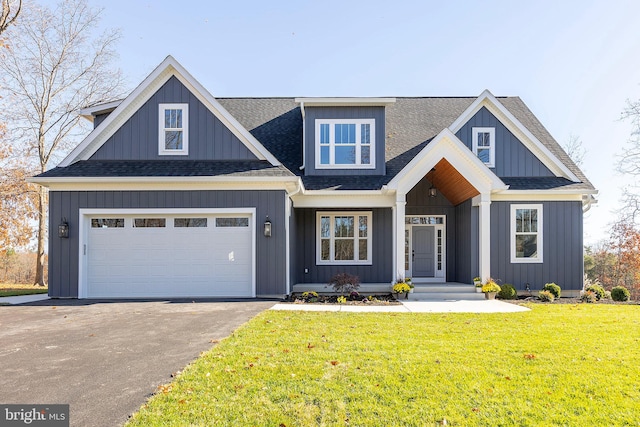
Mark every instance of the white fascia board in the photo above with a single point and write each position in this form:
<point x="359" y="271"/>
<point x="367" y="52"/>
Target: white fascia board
<point x="89" y="113"/>
<point x="446" y="145"/>
<point x="350" y="199"/>
<point x="344" y="102"/>
<point x="536" y="195"/>
<point x="486" y="99"/>
<point x="141" y="94"/>
<point x="289" y="184"/>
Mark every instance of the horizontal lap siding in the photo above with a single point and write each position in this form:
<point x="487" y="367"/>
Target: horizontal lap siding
<point x="562" y="247"/>
<point x="512" y="157"/>
<point x="270" y="252"/>
<point x="137" y="139"/>
<point x="380" y="271"/>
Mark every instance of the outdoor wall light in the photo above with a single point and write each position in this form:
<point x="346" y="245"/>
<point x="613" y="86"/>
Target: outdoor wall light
<point x="432" y="191"/>
<point x="267" y="227"/>
<point x="63" y="229"/>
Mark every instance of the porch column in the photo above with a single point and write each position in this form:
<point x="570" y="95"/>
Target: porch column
<point x="398" y="234"/>
<point x="484" y="207"/>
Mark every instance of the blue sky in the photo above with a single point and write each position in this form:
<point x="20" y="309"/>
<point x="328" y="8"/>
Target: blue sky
<point x="574" y="63"/>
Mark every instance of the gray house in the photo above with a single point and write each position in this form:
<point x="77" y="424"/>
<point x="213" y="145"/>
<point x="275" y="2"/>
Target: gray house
<point x="176" y="193"/>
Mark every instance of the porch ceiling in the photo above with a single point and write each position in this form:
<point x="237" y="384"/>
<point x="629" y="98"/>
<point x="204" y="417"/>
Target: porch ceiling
<point x="447" y="180"/>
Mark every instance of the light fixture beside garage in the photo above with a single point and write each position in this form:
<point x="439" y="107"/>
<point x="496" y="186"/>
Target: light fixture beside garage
<point x="63" y="229"/>
<point x="267" y="227"/>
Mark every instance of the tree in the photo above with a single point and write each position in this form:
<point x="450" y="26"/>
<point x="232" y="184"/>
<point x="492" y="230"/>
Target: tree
<point x="625" y="244"/>
<point x="575" y="150"/>
<point x="629" y="162"/>
<point x="10" y="12"/>
<point x="55" y="66"/>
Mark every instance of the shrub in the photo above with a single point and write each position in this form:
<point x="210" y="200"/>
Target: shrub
<point x="553" y="288"/>
<point x="598" y="290"/>
<point x="588" y="297"/>
<point x="401" y="288"/>
<point x="310" y="296"/>
<point x="345" y="283"/>
<point x="620" y="293"/>
<point x="546" y="296"/>
<point x="507" y="291"/>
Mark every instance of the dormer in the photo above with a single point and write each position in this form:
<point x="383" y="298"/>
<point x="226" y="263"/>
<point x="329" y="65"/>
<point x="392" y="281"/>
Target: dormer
<point x="344" y="136"/>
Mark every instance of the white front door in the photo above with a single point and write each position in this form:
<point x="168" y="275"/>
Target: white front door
<point x="425" y="248"/>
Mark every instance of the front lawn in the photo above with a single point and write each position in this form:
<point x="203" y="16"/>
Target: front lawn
<point x="12" y="289"/>
<point x="556" y="365"/>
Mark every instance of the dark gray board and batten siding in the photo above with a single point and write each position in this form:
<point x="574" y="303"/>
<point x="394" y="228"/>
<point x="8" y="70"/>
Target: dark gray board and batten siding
<point x="562" y="247"/>
<point x="137" y="139"/>
<point x="313" y="113"/>
<point x="270" y="252"/>
<point x="305" y="235"/>
<point x="512" y="157"/>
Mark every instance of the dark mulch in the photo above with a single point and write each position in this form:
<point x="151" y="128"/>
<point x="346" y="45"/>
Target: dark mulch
<point x="535" y="300"/>
<point x="359" y="299"/>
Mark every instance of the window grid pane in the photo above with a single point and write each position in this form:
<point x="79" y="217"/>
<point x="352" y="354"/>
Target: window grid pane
<point x="190" y="222"/>
<point x="344" y="226"/>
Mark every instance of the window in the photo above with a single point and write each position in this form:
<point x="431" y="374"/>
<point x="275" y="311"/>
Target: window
<point x="189" y="222"/>
<point x="526" y="233"/>
<point x="149" y="222"/>
<point x="174" y="129"/>
<point x="484" y="145"/>
<point x="344" y="238"/>
<point x="107" y="223"/>
<point x="232" y="222"/>
<point x="348" y="143"/>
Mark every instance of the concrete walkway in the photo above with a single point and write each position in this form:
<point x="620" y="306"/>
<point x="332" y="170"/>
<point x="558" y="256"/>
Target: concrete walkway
<point x="460" y="306"/>
<point x="23" y="299"/>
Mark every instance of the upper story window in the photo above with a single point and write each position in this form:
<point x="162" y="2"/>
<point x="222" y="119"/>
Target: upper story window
<point x="345" y="143"/>
<point x="484" y="145"/>
<point x="526" y="233"/>
<point x="173" y="129"/>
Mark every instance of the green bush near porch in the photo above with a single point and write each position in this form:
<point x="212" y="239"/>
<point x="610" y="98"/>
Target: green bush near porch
<point x="409" y="369"/>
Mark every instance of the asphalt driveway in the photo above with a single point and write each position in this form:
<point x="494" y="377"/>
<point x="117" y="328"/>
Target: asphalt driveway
<point x="106" y="358"/>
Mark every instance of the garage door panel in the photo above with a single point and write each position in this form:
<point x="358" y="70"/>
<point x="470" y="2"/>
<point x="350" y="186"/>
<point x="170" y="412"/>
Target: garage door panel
<point x="170" y="261"/>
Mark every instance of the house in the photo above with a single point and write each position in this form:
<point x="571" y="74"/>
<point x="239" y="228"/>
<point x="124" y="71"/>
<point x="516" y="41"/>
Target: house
<point x="176" y="193"/>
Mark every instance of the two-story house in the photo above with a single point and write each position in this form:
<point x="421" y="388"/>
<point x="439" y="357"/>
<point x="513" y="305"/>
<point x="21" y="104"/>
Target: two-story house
<point x="176" y="193"/>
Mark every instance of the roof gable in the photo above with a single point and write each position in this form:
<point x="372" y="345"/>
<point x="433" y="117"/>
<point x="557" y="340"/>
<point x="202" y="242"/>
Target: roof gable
<point x="540" y="150"/>
<point x="132" y="103"/>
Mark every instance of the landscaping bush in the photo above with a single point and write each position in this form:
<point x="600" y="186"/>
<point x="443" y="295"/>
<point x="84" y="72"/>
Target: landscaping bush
<point x="598" y="290"/>
<point x="588" y="297"/>
<point x="507" y="291"/>
<point x="553" y="288"/>
<point x="620" y="293"/>
<point x="546" y="296"/>
<point x="345" y="283"/>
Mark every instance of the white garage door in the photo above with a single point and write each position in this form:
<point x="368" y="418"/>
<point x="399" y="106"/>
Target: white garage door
<point x="176" y="255"/>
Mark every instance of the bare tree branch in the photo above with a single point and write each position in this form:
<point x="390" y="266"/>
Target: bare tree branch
<point x="575" y="150"/>
<point x="9" y="15"/>
<point x="55" y="67"/>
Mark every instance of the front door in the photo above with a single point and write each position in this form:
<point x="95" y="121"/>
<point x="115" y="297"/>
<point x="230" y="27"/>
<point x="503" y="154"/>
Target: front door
<point x="423" y="251"/>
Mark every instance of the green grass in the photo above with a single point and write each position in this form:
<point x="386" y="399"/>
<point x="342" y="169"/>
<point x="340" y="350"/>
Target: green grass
<point x="567" y="365"/>
<point x="11" y="290"/>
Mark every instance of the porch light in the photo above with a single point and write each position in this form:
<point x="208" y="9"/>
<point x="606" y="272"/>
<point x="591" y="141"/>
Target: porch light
<point x="63" y="229"/>
<point x="432" y="191"/>
<point x="267" y="227"/>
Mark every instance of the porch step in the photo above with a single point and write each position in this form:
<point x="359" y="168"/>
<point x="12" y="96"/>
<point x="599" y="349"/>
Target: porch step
<point x="445" y="292"/>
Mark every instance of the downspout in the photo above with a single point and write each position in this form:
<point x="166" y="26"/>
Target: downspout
<point x="304" y="137"/>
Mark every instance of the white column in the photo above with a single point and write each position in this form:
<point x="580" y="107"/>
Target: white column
<point x="399" y="211"/>
<point x="484" y="221"/>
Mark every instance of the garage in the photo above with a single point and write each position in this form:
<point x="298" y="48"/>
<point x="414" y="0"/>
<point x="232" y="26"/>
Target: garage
<point x="152" y="254"/>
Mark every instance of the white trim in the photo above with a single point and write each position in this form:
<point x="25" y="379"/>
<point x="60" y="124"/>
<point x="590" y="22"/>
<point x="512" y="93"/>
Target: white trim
<point x="287" y="243"/>
<point x="538" y="195"/>
<point x="357" y="145"/>
<point x="91" y="112"/>
<point x="539" y="233"/>
<point x="439" y="275"/>
<point x="344" y="200"/>
<point x="84" y="226"/>
<point x="356" y="238"/>
<point x="344" y="102"/>
<point x="486" y="99"/>
<point x="162" y="147"/>
<point x="492" y="144"/>
<point x="483" y="202"/>
<point x="141" y="94"/>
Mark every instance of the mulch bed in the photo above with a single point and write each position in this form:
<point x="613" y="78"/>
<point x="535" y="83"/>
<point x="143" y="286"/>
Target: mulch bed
<point x="534" y="300"/>
<point x="386" y="299"/>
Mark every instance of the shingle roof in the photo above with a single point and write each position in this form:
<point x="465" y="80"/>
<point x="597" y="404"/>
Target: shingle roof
<point x="411" y="123"/>
<point x="166" y="168"/>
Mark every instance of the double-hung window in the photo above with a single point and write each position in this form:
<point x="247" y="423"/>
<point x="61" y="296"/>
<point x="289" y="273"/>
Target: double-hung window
<point x="484" y="145"/>
<point x="173" y="129"/>
<point x="345" y="143"/>
<point x="344" y="238"/>
<point x="526" y="233"/>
